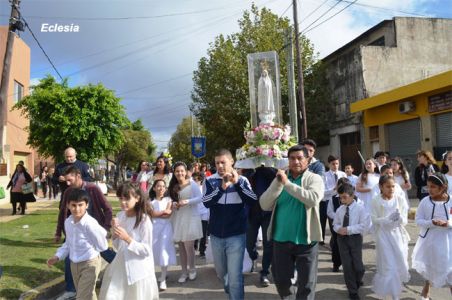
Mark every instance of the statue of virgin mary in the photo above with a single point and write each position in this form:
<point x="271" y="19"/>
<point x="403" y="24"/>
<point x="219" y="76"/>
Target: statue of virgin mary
<point x="265" y="104"/>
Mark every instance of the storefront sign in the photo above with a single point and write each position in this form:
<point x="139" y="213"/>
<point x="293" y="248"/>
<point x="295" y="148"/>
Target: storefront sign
<point x="440" y="102"/>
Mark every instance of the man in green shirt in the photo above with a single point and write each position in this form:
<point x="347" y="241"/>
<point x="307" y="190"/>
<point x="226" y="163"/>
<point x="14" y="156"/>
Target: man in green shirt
<point x="294" y="200"/>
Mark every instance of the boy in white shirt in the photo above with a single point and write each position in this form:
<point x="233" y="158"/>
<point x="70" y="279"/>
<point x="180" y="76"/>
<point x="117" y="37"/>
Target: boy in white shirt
<point x="330" y="180"/>
<point x="349" y="172"/>
<point x="351" y="222"/>
<point x="85" y="239"/>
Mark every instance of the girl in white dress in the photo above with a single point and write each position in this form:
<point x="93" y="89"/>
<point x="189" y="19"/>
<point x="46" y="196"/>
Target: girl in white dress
<point x="131" y="274"/>
<point x="187" y="226"/>
<point x="446" y="169"/>
<point x="432" y="255"/>
<point x="401" y="175"/>
<point x="162" y="244"/>
<point x="389" y="213"/>
<point x="367" y="180"/>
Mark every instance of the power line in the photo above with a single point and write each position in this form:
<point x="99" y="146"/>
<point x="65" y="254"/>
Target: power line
<point x="39" y="44"/>
<point x="315" y="21"/>
<point x="153" y="84"/>
<point x="212" y="21"/>
<point x="159" y="98"/>
<point x="167" y="105"/>
<point x="144" y="48"/>
<point x="387" y="9"/>
<point x="326" y="20"/>
<point x="181" y="76"/>
<point x="129" y="17"/>
<point x="288" y="7"/>
<point x="312" y="12"/>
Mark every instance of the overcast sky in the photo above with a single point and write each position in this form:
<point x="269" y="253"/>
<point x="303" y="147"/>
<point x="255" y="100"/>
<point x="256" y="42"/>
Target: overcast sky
<point x="147" y="50"/>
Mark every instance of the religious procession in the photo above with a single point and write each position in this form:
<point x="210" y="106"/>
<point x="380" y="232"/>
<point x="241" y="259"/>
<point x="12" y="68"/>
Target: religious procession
<point x="295" y="178"/>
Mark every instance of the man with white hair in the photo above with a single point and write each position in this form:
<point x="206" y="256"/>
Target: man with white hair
<point x="70" y="156"/>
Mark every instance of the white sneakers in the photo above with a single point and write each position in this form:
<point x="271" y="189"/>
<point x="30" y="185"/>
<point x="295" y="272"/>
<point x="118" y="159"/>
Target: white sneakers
<point x="162" y="285"/>
<point x="183" y="278"/>
<point x="67" y="296"/>
<point x="191" y="275"/>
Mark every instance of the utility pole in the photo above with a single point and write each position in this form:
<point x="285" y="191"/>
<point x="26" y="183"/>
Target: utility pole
<point x="291" y="84"/>
<point x="302" y="113"/>
<point x="14" y="24"/>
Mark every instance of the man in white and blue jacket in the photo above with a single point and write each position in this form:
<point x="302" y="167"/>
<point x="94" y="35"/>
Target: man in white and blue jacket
<point x="227" y="195"/>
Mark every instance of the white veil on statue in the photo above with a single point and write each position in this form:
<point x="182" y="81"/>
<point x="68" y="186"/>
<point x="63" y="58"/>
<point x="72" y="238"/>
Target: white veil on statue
<point x="265" y="103"/>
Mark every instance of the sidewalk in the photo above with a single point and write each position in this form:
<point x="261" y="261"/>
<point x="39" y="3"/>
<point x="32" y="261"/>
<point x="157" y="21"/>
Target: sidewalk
<point x="40" y="204"/>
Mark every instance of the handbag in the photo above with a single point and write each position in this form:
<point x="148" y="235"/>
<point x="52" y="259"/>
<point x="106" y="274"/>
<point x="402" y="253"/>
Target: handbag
<point x="2" y="193"/>
<point x="27" y="188"/>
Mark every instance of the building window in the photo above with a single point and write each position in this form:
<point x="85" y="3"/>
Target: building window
<point x="373" y="133"/>
<point x="18" y="91"/>
<point x="378" y="42"/>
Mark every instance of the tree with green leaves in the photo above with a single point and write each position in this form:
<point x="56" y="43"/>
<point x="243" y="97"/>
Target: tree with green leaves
<point x="180" y="143"/>
<point x="88" y="118"/>
<point x="138" y="146"/>
<point x="220" y="97"/>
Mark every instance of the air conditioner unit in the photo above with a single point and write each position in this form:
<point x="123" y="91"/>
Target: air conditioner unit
<point x="406" y="107"/>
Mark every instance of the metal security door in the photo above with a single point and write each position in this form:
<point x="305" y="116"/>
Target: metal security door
<point x="404" y="142"/>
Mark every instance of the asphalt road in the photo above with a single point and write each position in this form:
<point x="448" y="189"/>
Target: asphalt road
<point x="329" y="285"/>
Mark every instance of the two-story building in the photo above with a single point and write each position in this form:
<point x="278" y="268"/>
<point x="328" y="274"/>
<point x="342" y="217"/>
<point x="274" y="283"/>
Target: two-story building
<point x="390" y="57"/>
<point x="14" y="144"/>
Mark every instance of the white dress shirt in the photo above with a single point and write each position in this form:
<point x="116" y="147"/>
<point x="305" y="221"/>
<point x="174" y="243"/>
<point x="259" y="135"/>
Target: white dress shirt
<point x="353" y="179"/>
<point x="359" y="219"/>
<point x="330" y="208"/>
<point x="84" y="239"/>
<point x="330" y="183"/>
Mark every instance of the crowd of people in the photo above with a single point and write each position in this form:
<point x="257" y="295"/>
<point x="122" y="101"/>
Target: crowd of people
<point x="190" y="207"/>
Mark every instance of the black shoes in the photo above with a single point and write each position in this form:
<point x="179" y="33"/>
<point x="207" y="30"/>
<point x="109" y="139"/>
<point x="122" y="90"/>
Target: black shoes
<point x="354" y="296"/>
<point x="335" y="269"/>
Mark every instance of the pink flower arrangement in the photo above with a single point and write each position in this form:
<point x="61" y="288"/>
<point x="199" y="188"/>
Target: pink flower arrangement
<point x="271" y="141"/>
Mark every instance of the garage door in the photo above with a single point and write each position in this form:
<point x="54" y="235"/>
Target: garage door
<point x="443" y="130"/>
<point x="405" y="141"/>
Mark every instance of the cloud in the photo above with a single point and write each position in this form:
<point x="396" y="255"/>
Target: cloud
<point x="149" y="62"/>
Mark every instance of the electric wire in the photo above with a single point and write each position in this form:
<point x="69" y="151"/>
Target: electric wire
<point x="323" y="14"/>
<point x="42" y="49"/>
<point x="329" y="18"/>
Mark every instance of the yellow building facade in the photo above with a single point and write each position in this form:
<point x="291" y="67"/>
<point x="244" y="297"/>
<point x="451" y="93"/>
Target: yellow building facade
<point x="409" y="118"/>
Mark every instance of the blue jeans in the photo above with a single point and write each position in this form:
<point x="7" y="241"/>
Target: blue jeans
<point x="70" y="287"/>
<point x="228" y="260"/>
<point x="108" y="255"/>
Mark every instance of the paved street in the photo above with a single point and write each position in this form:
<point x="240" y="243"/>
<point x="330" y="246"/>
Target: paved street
<point x="330" y="285"/>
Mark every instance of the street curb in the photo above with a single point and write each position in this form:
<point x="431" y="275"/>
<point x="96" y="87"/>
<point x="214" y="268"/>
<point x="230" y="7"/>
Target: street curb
<point x="47" y="290"/>
<point x="54" y="288"/>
